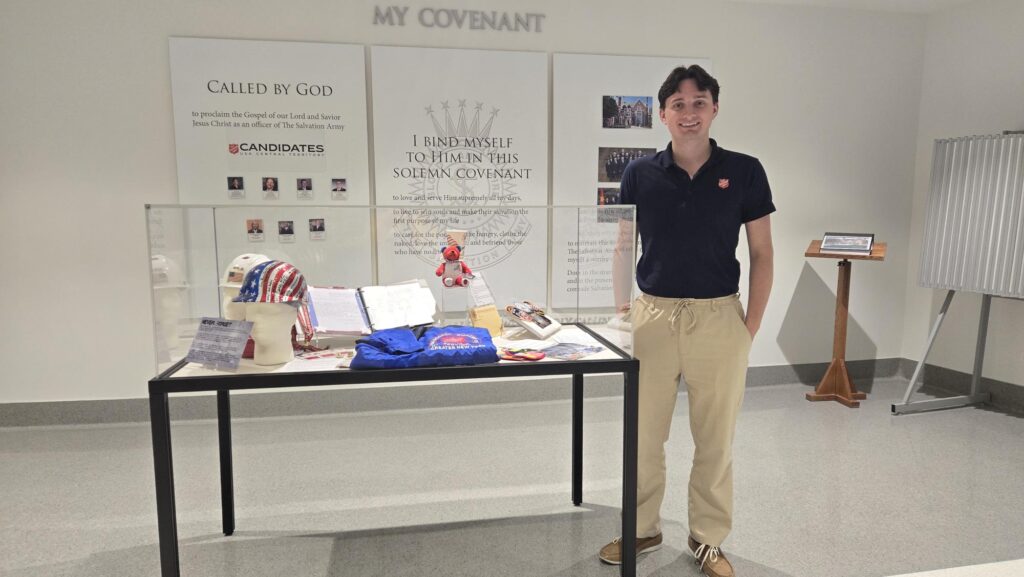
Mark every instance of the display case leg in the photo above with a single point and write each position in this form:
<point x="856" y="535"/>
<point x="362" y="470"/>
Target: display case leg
<point x="577" y="440"/>
<point x="227" y="484"/>
<point x="166" y="518"/>
<point x="631" y="402"/>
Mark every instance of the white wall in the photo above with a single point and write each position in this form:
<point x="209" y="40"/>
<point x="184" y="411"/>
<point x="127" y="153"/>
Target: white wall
<point x="973" y="84"/>
<point x="827" y="98"/>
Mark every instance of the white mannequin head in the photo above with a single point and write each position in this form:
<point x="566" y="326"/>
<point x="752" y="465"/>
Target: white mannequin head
<point x="169" y="288"/>
<point x="232" y="311"/>
<point x="167" y="306"/>
<point x="272" y="294"/>
<point x="271" y="331"/>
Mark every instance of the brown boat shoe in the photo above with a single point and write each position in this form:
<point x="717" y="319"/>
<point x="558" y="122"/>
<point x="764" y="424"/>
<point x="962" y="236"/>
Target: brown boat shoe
<point x="711" y="559"/>
<point x="612" y="552"/>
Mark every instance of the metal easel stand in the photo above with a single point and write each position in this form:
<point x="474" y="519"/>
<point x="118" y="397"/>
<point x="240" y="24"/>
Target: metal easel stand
<point x="979" y="356"/>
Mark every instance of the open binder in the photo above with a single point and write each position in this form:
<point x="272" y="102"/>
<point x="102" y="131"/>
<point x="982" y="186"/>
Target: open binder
<point x="360" y="311"/>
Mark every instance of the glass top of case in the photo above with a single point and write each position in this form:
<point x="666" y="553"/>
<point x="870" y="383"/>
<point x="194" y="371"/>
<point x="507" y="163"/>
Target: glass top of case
<point x="574" y="264"/>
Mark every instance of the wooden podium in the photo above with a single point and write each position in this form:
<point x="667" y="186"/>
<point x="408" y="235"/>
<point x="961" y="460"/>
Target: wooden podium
<point x="836" y="384"/>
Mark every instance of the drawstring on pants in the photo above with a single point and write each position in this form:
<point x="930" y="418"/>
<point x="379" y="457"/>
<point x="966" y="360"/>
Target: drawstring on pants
<point x="677" y="311"/>
<point x="673" y="319"/>
<point x="685" y="304"/>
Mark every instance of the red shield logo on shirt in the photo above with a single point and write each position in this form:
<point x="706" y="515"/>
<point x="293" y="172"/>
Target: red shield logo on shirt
<point x="233" y="148"/>
<point x="723" y="183"/>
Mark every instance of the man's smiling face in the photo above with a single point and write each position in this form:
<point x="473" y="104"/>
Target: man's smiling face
<point x="689" y="111"/>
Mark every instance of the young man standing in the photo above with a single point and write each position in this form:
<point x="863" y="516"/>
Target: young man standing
<point x="691" y="201"/>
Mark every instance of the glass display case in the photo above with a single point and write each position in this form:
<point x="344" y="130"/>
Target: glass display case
<point x="568" y="266"/>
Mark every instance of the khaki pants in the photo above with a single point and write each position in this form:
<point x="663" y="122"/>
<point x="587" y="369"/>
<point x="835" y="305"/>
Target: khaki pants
<point x="705" y="341"/>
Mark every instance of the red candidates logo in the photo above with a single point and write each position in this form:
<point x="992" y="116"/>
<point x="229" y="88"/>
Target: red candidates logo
<point x="723" y="183"/>
<point x="233" y="148"/>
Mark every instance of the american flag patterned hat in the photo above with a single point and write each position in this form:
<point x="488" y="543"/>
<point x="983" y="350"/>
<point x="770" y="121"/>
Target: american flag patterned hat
<point x="274" y="281"/>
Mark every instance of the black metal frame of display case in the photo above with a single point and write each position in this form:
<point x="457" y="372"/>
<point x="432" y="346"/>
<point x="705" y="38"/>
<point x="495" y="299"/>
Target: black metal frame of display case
<point x="165" y="384"/>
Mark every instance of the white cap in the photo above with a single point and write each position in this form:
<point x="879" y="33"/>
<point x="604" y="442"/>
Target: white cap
<point x="235" y="273"/>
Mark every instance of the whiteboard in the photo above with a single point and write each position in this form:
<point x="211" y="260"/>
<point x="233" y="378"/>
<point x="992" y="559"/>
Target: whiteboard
<point x="974" y="228"/>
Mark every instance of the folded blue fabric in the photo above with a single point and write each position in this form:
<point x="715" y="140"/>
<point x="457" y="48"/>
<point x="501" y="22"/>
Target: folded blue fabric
<point x="394" y="341"/>
<point x="439" y="346"/>
<point x="457" y="345"/>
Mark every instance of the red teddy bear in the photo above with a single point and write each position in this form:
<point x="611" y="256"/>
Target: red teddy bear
<point x="452" y="269"/>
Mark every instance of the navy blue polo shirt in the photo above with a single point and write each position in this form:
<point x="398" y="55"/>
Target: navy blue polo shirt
<point x="689" y="228"/>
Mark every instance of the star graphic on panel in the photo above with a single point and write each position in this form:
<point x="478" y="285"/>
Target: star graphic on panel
<point x="444" y="105"/>
<point x="429" y="109"/>
<point x="462" y="103"/>
<point x="494" y="112"/>
<point x="479" y="106"/>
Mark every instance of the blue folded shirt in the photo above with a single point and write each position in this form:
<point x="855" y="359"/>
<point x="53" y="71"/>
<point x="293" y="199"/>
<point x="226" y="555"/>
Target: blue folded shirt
<point x="439" y="346"/>
<point x="394" y="341"/>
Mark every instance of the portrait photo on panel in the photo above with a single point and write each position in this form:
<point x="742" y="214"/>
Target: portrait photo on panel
<point x="270" y="188"/>
<point x="339" y="189"/>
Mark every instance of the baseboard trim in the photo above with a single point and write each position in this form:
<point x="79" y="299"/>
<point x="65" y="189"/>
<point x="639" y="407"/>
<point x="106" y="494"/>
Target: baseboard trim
<point x="1005" y="396"/>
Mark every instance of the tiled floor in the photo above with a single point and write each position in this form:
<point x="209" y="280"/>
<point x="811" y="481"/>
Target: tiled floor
<point x="821" y="490"/>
